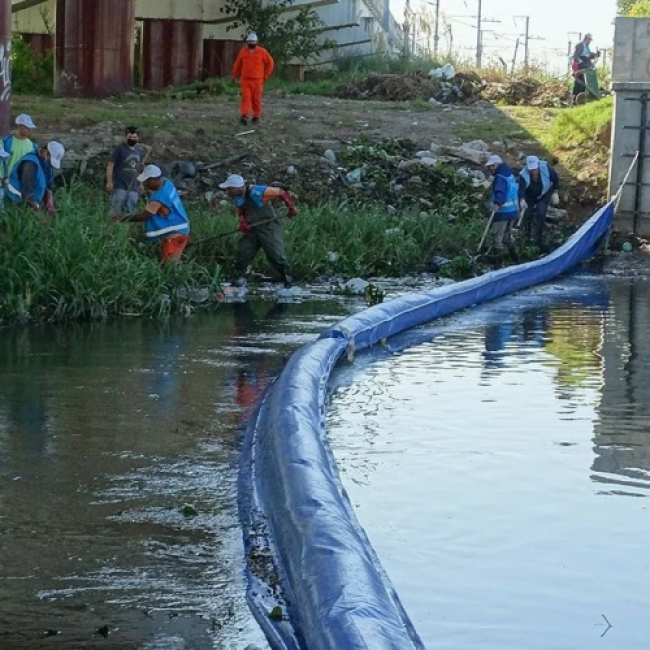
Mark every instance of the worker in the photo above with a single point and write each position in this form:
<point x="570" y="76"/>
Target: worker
<point x="18" y="144"/>
<point x="122" y="171"/>
<point x="31" y="181"/>
<point x="583" y="58"/>
<point x="503" y="204"/>
<point x="254" y="66"/>
<point x="539" y="186"/>
<point x="4" y="156"/>
<point x="164" y="215"/>
<point x="259" y="225"/>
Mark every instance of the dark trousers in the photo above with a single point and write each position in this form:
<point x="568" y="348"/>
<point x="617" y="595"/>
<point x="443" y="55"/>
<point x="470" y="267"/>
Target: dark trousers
<point x="268" y="237"/>
<point x="535" y="218"/>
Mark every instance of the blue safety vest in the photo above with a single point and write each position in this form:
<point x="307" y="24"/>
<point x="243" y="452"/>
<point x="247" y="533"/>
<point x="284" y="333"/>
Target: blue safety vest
<point x="176" y="223"/>
<point x="14" y="185"/>
<point x="545" y="174"/>
<point x="508" y="209"/>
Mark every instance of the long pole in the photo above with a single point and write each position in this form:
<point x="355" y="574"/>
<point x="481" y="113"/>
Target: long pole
<point x="479" y="53"/>
<point x="436" y="34"/>
<point x="527" y="41"/>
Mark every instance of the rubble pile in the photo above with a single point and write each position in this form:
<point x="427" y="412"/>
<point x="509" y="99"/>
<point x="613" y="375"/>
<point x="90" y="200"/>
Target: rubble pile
<point x="415" y="85"/>
<point x="461" y="87"/>
<point x="528" y="91"/>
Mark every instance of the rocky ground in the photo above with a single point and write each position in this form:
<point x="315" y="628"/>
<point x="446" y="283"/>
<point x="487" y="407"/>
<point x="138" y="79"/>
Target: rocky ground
<point x="289" y="145"/>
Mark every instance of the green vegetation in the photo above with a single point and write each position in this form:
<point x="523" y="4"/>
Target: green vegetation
<point x="82" y="266"/>
<point x="634" y="8"/>
<point x="31" y="73"/>
<point x="580" y="125"/>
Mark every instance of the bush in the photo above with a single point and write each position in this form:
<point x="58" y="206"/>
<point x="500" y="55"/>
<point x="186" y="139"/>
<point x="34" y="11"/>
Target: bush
<point x="31" y="73"/>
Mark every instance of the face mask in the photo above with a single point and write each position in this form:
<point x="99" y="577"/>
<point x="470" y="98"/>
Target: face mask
<point x="131" y="142"/>
<point x="252" y="46"/>
<point x="239" y="200"/>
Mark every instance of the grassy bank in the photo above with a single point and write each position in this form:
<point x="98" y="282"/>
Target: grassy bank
<point x="82" y="266"/>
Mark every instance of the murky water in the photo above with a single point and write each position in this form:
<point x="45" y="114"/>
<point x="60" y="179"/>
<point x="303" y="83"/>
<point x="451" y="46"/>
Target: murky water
<point x="502" y="467"/>
<point x="105" y="433"/>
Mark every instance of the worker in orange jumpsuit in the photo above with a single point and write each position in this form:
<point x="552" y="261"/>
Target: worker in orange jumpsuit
<point x="254" y="65"/>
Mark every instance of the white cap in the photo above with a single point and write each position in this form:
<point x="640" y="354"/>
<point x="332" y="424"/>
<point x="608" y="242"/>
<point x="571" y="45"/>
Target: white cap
<point x="234" y="180"/>
<point x="532" y="162"/>
<point x="3" y="153"/>
<point x="25" y="120"/>
<point x="150" y="171"/>
<point x="493" y="160"/>
<point x="57" y="151"/>
<point x="252" y="38"/>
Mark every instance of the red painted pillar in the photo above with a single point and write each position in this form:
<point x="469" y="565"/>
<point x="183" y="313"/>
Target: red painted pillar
<point x="95" y="42"/>
<point x="172" y="53"/>
<point x="5" y="66"/>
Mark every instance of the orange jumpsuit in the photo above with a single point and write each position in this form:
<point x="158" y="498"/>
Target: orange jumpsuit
<point x="254" y="67"/>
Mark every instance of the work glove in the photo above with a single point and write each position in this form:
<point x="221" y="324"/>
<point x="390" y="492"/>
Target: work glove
<point x="244" y="226"/>
<point x="523" y="205"/>
<point x="555" y="199"/>
<point x="286" y="198"/>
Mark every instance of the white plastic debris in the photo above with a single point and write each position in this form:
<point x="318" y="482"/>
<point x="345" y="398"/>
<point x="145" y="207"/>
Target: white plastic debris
<point x="447" y="72"/>
<point x="356" y="286"/>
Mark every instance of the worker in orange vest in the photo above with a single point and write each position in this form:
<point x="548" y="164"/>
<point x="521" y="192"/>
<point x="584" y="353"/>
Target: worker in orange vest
<point x="254" y="65"/>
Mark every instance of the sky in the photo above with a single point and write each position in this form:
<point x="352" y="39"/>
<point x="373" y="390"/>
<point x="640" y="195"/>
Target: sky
<point x="551" y="20"/>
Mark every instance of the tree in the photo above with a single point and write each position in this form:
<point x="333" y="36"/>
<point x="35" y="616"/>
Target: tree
<point x="286" y="38"/>
<point x="634" y="8"/>
<point x="640" y="9"/>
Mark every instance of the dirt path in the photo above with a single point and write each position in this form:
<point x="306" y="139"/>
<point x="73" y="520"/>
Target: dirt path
<point x="294" y="131"/>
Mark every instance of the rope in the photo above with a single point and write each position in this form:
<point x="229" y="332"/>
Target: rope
<point x="619" y="195"/>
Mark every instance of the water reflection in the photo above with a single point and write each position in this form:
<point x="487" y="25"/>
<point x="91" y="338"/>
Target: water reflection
<point x="622" y="429"/>
<point x="105" y="432"/>
<point x="501" y="454"/>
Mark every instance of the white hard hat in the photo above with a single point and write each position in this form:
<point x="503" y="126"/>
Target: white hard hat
<point x="252" y="38"/>
<point x="532" y="162"/>
<point x="25" y="120"/>
<point x="234" y="180"/>
<point x="150" y="171"/>
<point x="493" y="160"/>
<point x="57" y="151"/>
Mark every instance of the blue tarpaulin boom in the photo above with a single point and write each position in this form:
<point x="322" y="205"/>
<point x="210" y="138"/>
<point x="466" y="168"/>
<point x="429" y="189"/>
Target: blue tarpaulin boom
<point x="338" y="596"/>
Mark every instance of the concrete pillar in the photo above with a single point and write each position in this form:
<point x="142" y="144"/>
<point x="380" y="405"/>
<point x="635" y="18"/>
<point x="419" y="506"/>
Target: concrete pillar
<point x="219" y="57"/>
<point x="95" y="42"/>
<point x="41" y="44"/>
<point x="5" y="66"/>
<point x="631" y="84"/>
<point x="172" y="53"/>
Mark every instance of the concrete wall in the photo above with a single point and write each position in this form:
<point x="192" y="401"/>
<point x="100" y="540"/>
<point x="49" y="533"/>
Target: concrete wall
<point x="631" y="82"/>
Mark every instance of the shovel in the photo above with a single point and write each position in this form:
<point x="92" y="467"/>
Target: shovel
<point x="485" y="233"/>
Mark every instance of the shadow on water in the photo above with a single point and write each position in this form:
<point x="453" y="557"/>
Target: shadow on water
<point x="106" y="432"/>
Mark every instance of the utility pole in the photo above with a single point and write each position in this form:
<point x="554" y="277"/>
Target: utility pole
<point x="514" y="58"/>
<point x="479" y="45"/>
<point x="526" y="43"/>
<point x="436" y="34"/>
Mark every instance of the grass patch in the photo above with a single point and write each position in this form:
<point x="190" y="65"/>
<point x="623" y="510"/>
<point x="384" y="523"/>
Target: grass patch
<point x="580" y="125"/>
<point x="81" y="266"/>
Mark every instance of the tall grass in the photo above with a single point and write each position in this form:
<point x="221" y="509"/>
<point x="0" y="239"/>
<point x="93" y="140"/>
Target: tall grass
<point x="352" y="240"/>
<point x="80" y="266"/>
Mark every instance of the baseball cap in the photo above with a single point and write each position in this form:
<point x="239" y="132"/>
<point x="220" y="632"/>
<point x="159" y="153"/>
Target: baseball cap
<point x="25" y="120"/>
<point x="493" y="160"/>
<point x="252" y="38"/>
<point x="234" y="180"/>
<point x="150" y="171"/>
<point x="532" y="162"/>
<point x="57" y="151"/>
